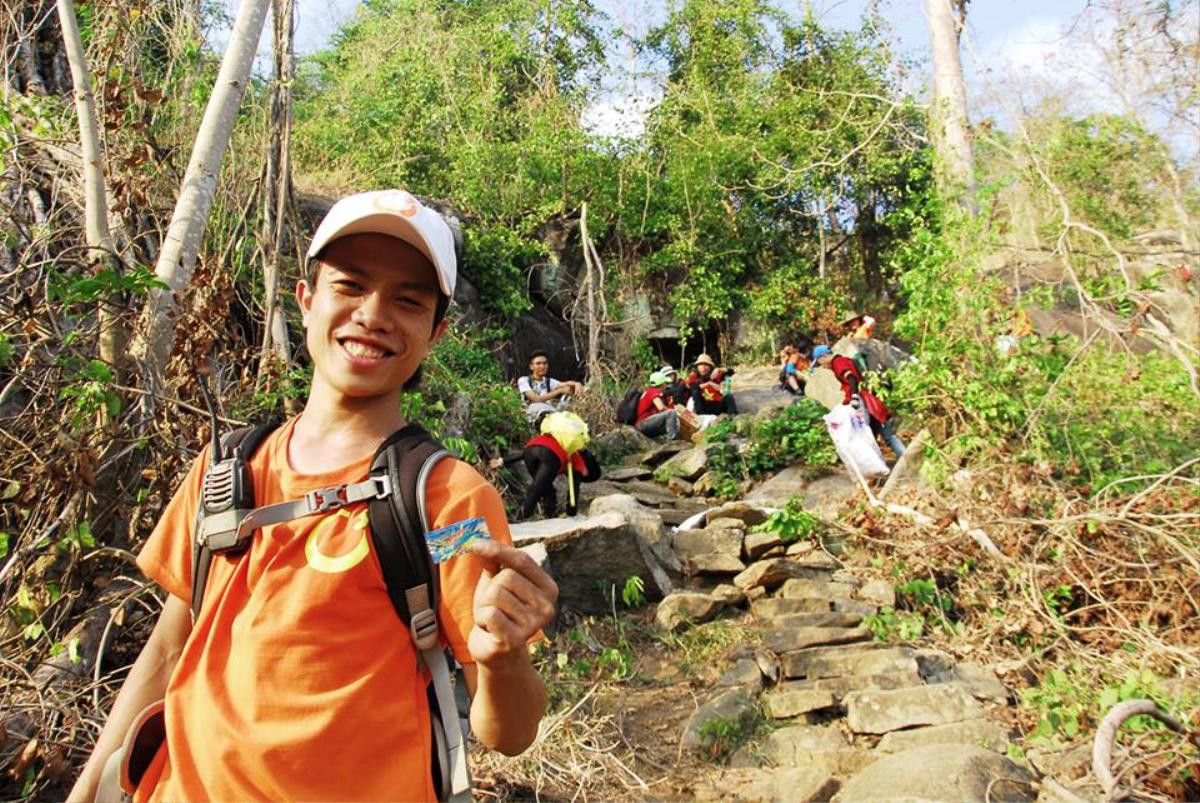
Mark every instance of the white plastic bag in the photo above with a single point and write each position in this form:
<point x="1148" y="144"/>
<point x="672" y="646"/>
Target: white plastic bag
<point x="854" y="441"/>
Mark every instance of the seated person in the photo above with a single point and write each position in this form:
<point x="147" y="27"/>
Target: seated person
<point x="656" y="413"/>
<point x="675" y="389"/>
<point x="858" y="397"/>
<point x="548" y="455"/>
<point x="794" y="373"/>
<point x="540" y="393"/>
<point x="704" y="385"/>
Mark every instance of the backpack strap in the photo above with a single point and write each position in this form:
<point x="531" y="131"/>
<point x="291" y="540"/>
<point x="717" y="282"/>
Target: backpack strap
<point x="398" y="526"/>
<point x="227" y="494"/>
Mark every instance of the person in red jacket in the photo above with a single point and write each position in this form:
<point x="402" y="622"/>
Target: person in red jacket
<point x="546" y="459"/>
<point x="709" y="389"/>
<point x="858" y="397"/>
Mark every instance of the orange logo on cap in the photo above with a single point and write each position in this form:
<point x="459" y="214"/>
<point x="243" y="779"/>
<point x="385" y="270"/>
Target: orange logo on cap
<point x="398" y="203"/>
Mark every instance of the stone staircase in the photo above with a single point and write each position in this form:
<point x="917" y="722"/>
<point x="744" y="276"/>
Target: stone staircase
<point x="851" y="718"/>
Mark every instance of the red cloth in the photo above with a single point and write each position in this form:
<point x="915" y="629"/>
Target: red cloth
<point x="646" y="407"/>
<point x="709" y="388"/>
<point x="844" y="368"/>
<point x="551" y="443"/>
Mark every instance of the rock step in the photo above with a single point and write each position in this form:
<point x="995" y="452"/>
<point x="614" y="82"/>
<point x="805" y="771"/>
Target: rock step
<point x="788" y="639"/>
<point x="879" y="712"/>
<point x="857" y="659"/>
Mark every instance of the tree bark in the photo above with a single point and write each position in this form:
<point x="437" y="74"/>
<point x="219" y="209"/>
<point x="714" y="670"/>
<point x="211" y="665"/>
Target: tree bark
<point x="277" y="193"/>
<point x="948" y="116"/>
<point x="177" y="257"/>
<point x="101" y="252"/>
<point x="594" y="278"/>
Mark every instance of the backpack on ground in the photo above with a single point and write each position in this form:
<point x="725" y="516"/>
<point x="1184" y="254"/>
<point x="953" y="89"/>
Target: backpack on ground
<point x="627" y="407"/>
<point x="226" y="519"/>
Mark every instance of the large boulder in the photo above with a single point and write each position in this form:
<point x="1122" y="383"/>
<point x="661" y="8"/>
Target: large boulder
<point x="780" y="488"/>
<point x="589" y="555"/>
<point x="688" y="464"/>
<point x="824" y="388"/>
<point x="733" y="709"/>
<point x="725" y="541"/>
<point x="938" y="772"/>
<point x="879" y="355"/>
<point x="683" y="608"/>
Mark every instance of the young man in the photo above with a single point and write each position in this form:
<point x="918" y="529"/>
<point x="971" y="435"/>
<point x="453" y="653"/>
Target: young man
<point x="704" y="386"/>
<point x="540" y="393"/>
<point x="656" y="413"/>
<point x="298" y="681"/>
<point x="859" y="398"/>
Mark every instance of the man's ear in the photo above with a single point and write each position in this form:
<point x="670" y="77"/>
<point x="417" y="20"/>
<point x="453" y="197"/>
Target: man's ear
<point x="439" y="331"/>
<point x="304" y="297"/>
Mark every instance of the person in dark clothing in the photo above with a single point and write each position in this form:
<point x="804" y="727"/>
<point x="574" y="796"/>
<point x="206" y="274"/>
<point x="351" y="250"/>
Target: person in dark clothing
<point x="859" y="397"/>
<point x="708" y="388"/>
<point x="546" y="459"/>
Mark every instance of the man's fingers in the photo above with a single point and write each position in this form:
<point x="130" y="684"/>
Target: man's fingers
<point x="513" y="558"/>
<point x="519" y="598"/>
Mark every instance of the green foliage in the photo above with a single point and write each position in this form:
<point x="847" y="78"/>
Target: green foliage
<point x="634" y="592"/>
<point x="1069" y="702"/>
<point x="90" y="393"/>
<point x="1107" y="166"/>
<point x="793" y="523"/>
<point x="6" y="350"/>
<point x="795" y="435"/>
<point x="728" y="469"/>
<point x="104" y="284"/>
<point x="460" y="367"/>
<point x="1088" y="416"/>
<point x="722" y="736"/>
<point x="78" y="538"/>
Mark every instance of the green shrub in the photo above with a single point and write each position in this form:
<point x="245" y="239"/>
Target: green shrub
<point x="796" y="435"/>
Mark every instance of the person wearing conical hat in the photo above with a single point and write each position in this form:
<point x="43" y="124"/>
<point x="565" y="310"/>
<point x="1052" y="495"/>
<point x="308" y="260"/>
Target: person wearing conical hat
<point x="708" y="388"/>
<point x="559" y="449"/>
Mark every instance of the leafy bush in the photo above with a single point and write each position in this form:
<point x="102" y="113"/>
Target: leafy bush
<point x="793" y="523"/>
<point x="796" y="435"/>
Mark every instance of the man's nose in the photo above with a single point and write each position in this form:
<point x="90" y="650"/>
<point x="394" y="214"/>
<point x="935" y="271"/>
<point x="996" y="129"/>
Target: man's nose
<point x="371" y="312"/>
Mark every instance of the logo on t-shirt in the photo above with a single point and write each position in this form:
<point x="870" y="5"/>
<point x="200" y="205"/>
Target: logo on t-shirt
<point x="332" y="528"/>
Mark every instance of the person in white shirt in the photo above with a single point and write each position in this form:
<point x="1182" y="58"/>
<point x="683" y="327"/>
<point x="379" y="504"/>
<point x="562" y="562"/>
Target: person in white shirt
<point x="542" y="394"/>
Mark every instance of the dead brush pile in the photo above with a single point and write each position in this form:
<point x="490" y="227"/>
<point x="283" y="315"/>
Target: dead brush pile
<point x="1096" y="600"/>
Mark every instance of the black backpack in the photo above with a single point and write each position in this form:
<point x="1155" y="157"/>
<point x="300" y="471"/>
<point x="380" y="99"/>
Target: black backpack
<point x="226" y="519"/>
<point x="627" y="407"/>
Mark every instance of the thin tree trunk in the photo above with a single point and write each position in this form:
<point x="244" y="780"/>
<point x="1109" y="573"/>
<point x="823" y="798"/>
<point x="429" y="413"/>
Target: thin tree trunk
<point x="591" y="262"/>
<point x="177" y="257"/>
<point x="955" y="164"/>
<point x="277" y="191"/>
<point x="99" y="239"/>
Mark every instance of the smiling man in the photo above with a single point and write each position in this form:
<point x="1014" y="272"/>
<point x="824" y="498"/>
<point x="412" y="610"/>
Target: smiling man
<point x="297" y="680"/>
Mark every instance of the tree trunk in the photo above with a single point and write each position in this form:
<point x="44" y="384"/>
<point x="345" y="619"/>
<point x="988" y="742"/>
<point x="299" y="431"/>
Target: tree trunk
<point x="177" y="257"/>
<point x="277" y="191"/>
<point x="955" y="164"/>
<point x="101" y="252"/>
<point x="594" y="279"/>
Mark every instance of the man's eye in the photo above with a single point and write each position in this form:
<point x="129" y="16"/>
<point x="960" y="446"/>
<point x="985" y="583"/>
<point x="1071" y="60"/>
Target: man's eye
<point x="346" y="284"/>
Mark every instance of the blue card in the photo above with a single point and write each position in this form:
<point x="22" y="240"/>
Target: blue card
<point x="454" y="539"/>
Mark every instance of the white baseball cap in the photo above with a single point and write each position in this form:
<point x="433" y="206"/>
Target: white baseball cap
<point x="398" y="214"/>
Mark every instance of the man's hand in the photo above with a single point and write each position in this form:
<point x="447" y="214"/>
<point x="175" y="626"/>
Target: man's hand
<point x="511" y="605"/>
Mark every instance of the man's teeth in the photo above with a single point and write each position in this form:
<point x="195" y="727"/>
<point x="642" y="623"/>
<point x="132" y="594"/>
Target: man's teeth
<point x="363" y="350"/>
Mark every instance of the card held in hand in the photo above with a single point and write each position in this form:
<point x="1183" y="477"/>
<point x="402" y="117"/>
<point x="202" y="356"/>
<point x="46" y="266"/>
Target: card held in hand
<point x="454" y="539"/>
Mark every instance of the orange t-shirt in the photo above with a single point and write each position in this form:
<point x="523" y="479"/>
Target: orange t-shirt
<point x="299" y="681"/>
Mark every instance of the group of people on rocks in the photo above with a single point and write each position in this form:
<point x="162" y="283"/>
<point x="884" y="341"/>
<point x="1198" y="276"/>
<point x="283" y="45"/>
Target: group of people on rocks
<point x="798" y="361"/>
<point x="673" y="408"/>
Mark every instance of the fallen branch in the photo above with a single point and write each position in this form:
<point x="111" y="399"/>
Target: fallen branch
<point x="1106" y="736"/>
